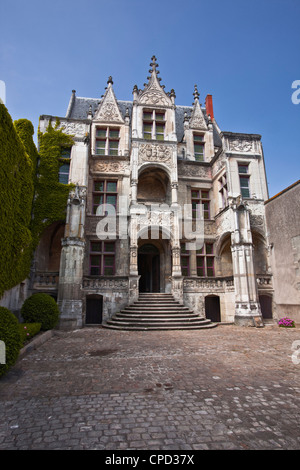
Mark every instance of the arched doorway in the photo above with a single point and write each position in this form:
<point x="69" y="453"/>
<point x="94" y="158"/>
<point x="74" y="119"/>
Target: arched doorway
<point x="149" y="268"/>
<point x="212" y="308"/>
<point x="266" y="306"/>
<point x="93" y="309"/>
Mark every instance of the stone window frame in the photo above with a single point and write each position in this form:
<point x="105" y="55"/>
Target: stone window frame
<point x="153" y="122"/>
<point x="199" y="156"/>
<point x="201" y="200"/>
<point x="244" y="176"/>
<point x="185" y="260"/>
<point x="64" y="169"/>
<point x="104" y="193"/>
<point x="207" y="258"/>
<point x="107" y="139"/>
<point x="102" y="254"/>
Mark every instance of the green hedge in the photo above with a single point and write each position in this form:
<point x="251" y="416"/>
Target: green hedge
<point x="41" y="308"/>
<point x="28" y="331"/>
<point x="17" y="168"/>
<point x="31" y="197"/>
<point x="10" y="335"/>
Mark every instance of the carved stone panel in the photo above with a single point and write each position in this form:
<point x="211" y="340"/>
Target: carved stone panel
<point x="106" y="166"/>
<point x="77" y="129"/>
<point x="185" y="169"/>
<point x="239" y="145"/>
<point x="155" y="153"/>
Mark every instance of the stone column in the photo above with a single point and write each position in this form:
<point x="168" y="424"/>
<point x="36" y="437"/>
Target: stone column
<point x="247" y="307"/>
<point x="71" y="263"/>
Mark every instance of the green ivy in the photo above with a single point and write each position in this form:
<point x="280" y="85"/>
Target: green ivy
<point x="31" y="197"/>
<point x="51" y="196"/>
<point x="16" y="197"/>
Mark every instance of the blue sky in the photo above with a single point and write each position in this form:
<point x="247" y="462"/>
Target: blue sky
<point x="246" y="54"/>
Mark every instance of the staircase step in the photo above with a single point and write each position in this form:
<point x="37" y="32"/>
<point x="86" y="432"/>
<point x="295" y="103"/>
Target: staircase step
<point x="157" y="311"/>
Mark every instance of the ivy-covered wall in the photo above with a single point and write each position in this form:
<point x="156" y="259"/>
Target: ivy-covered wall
<point x="31" y="198"/>
<point x="50" y="195"/>
<point x="17" y="168"/>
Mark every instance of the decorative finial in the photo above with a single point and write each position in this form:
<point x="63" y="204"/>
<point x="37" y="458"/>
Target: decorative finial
<point x="154" y="64"/>
<point x="196" y="93"/>
<point x="110" y="80"/>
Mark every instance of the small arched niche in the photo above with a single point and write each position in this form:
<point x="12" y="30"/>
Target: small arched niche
<point x="153" y="186"/>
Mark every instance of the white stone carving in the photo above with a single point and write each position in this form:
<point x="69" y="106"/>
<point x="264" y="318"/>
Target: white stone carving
<point x="197" y="119"/>
<point x="109" y="167"/>
<point x="73" y="128"/>
<point x="155" y="153"/>
<point x="238" y="145"/>
<point x="108" y="110"/>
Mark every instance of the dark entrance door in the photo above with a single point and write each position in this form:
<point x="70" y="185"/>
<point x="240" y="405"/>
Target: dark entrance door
<point x="266" y="306"/>
<point x="149" y="268"/>
<point x="94" y="310"/>
<point x="212" y="308"/>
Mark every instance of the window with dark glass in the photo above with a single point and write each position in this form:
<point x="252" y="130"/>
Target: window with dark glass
<point x="205" y="260"/>
<point x="107" y="141"/>
<point x="200" y="202"/>
<point x="64" y="169"/>
<point x="102" y="258"/>
<point x="63" y="175"/>
<point x="153" y="124"/>
<point x="104" y="192"/>
<point x="199" y="147"/>
<point x="185" y="260"/>
<point x="244" y="179"/>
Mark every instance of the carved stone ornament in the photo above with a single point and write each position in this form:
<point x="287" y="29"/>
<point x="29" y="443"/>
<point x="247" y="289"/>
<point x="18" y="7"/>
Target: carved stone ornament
<point x="73" y="128"/>
<point x="197" y="119"/>
<point x="153" y="93"/>
<point x="109" y="167"/>
<point x="108" y="109"/>
<point x="154" y="97"/>
<point x="155" y="153"/>
<point x="240" y="145"/>
<point x="193" y="170"/>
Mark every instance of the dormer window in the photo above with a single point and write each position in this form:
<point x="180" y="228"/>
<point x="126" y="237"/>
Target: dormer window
<point x="199" y="147"/>
<point x="107" y="141"/>
<point x="154" y="124"/>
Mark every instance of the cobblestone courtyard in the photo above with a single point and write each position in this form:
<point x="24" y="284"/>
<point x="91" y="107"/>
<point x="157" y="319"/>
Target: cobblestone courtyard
<point x="223" y="388"/>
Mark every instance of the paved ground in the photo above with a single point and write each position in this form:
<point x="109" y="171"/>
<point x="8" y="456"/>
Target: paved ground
<point x="224" y="388"/>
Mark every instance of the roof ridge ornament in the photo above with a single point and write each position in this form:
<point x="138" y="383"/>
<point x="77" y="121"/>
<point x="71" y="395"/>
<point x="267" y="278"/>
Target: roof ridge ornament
<point x="196" y="94"/>
<point x="153" y="64"/>
<point x="153" y="92"/>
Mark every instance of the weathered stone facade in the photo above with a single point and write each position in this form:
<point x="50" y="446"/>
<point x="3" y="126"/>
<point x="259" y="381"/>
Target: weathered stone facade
<point x="157" y="164"/>
<point x="283" y="224"/>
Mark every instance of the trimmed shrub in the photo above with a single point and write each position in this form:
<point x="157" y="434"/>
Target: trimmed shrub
<point x="10" y="335"/>
<point x="41" y="308"/>
<point x="28" y="331"/>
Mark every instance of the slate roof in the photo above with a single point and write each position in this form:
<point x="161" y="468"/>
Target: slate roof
<point x="79" y="108"/>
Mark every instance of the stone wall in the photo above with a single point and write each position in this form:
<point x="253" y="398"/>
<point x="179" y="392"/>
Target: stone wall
<point x="283" y="223"/>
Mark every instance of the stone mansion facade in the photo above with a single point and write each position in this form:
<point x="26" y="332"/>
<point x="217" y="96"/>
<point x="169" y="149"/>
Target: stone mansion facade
<point x="145" y="170"/>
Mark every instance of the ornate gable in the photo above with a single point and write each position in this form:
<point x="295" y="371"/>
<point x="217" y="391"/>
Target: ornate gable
<point x="153" y="93"/>
<point x="108" y="109"/>
<point x="197" y="120"/>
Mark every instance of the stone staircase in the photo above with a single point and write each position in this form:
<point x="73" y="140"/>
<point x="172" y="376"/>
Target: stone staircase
<point x="157" y="311"/>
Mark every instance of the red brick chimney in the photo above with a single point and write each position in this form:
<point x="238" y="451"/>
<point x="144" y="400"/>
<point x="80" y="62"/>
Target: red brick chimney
<point x="209" y="106"/>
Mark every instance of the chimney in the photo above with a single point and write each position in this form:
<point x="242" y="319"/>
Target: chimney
<point x="209" y="106"/>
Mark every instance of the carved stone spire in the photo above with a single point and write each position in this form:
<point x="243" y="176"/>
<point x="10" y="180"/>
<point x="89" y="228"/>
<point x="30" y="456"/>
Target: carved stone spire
<point x="153" y="93"/>
<point x="197" y="118"/>
<point x="196" y="93"/>
<point x="154" y="65"/>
